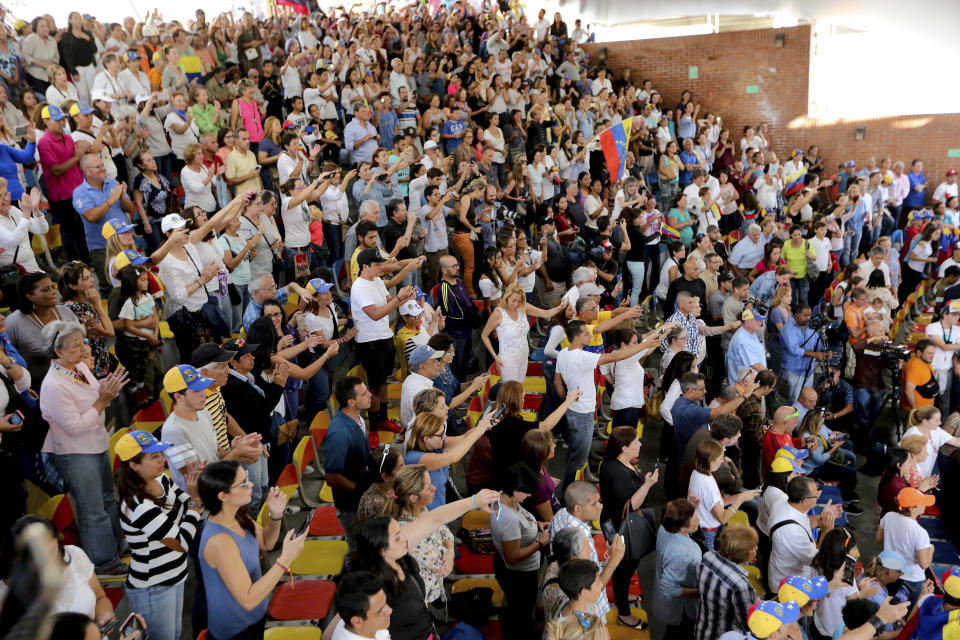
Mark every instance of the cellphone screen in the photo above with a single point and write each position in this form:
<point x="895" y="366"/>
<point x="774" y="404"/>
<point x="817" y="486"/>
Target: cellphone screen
<point x="306" y="523"/>
<point x="849" y="570"/>
<point x="608" y="531"/>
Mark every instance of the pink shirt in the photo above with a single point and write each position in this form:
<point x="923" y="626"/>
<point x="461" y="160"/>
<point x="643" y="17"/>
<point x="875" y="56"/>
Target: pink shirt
<point x="67" y="405"/>
<point x="251" y="119"/>
<point x="901" y="188"/>
<point x="54" y="150"/>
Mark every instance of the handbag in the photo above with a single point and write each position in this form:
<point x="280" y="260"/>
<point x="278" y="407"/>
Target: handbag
<point x="639" y="532"/>
<point x="930" y="389"/>
<point x="10" y="276"/>
<point x="656" y="401"/>
<point x="473" y="606"/>
<point x="813" y="271"/>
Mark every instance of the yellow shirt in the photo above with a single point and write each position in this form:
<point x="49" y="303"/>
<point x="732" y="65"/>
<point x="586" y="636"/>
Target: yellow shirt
<point x="239" y="164"/>
<point x="597" y="338"/>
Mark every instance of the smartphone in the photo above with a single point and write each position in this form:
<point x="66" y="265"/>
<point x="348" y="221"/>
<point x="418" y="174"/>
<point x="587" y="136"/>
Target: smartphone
<point x="499" y="412"/>
<point x="131" y="625"/>
<point x="107" y="629"/>
<point x="937" y="584"/>
<point x="608" y="531"/>
<point x="16" y="418"/>
<point x="301" y="323"/>
<point x="849" y="570"/>
<point x="656" y="467"/>
<point x="306" y="523"/>
<point x="19" y="132"/>
<point x="258" y="167"/>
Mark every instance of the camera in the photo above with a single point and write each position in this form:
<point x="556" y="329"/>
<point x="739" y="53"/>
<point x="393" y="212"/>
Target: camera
<point x="893" y="356"/>
<point x="758" y="306"/>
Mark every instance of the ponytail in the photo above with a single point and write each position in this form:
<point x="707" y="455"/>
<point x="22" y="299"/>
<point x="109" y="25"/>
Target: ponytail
<point x="919" y="415"/>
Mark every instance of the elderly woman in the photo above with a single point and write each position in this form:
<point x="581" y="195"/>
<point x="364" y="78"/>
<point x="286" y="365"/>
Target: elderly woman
<point x="36" y="307"/>
<point x="16" y="225"/>
<point x="434" y="554"/>
<point x="79" y="292"/>
<point x="677" y="560"/>
<point x="197" y="179"/>
<point x="73" y="402"/>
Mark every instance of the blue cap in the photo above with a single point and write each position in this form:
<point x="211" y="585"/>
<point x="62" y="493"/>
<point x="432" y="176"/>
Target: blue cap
<point x="80" y="107"/>
<point x="136" y="442"/>
<point x="114" y="226"/>
<point x="318" y="285"/>
<point x="52" y="112"/>
<point x="892" y="560"/>
<point x="418" y="292"/>
<point x="309" y="129"/>
<point x="183" y="376"/>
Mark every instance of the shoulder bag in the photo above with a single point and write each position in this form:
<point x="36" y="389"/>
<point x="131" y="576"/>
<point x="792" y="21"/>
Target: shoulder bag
<point x="813" y="271"/>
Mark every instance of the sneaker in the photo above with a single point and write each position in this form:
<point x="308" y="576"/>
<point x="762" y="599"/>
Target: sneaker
<point x="853" y="510"/>
<point x="389" y="425"/>
<point x="589" y="477"/>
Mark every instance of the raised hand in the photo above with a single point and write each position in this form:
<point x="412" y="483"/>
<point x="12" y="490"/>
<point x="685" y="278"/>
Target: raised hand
<point x="276" y="502"/>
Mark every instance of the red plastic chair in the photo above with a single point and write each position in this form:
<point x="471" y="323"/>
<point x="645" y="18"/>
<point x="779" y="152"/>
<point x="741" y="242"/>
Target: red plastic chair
<point x="203" y="635"/>
<point x="325" y="523"/>
<point x="308" y="600"/>
<point x="115" y="594"/>
<point x="472" y="563"/>
<point x="534" y="369"/>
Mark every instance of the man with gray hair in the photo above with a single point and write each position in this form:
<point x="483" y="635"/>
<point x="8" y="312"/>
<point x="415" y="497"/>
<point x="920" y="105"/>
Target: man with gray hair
<point x="583" y="507"/>
<point x="262" y="288"/>
<point x="687" y="315"/>
<point x="581" y="276"/>
<point x="747" y="252"/>
<point x="876" y="263"/>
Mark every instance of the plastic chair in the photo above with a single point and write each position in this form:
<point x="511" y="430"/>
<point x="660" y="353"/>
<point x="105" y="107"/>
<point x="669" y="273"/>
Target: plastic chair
<point x="320" y="557"/>
<point x="325" y="523"/>
<point x="149" y="418"/>
<point x="465" y="584"/>
<point x="59" y="511"/>
<point x="308" y="600"/>
<point x="303" y="455"/>
<point x="618" y="631"/>
<point x="326" y="494"/>
<point x="534" y="369"/>
<point x="335" y="269"/>
<point x="535" y="385"/>
<point x="471" y="563"/>
<point x="303" y="632"/>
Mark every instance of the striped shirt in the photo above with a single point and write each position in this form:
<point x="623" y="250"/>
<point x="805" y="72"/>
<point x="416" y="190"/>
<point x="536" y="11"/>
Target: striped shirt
<point x="217" y="409"/>
<point x="154" y="534"/>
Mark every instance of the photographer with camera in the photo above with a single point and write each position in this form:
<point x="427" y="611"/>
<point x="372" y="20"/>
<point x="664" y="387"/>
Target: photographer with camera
<point x="836" y="399"/>
<point x="801" y="346"/>
<point x="868" y="376"/>
<point x="945" y="336"/>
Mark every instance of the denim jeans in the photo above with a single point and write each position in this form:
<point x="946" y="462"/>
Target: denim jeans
<point x="800" y="287"/>
<point x="161" y="607"/>
<point x="317" y="392"/>
<point x="794" y="382"/>
<point x="463" y="346"/>
<point x="580" y="435"/>
<point x="334" y="241"/>
<point x="257" y="472"/>
<point x="637" y="270"/>
<point x="89" y="481"/>
<point x="709" y="537"/>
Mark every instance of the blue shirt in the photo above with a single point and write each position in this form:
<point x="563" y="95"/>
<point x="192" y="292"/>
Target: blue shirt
<point x="346" y="452"/>
<point x="915" y="199"/>
<point x="764" y="286"/>
<point x="86" y="197"/>
<point x="859" y="215"/>
<point x="677" y="560"/>
<point x="451" y="128"/>
<point x="745" y="350"/>
<point x="687" y="158"/>
<point x="438" y="477"/>
<point x="231" y="618"/>
<point x="388" y="122"/>
<point x="380" y="192"/>
<point x="686" y="128"/>
<point x="447" y="382"/>
<point x="688" y="418"/>
<point x="795" y="341"/>
<point x="254" y="310"/>
<point x="587" y="119"/>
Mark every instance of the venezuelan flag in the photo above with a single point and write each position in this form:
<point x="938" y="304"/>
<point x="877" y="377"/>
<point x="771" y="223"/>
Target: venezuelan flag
<point x="794" y="182"/>
<point x="669" y="232"/>
<point x="614" y="143"/>
<point x="191" y="67"/>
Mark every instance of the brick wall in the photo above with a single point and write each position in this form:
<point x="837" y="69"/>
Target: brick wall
<point x="730" y="61"/>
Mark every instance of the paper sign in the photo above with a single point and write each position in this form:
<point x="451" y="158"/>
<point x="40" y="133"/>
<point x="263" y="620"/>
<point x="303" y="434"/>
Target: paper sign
<point x="693" y="72"/>
<point x="753" y="88"/>
<point x="953" y="153"/>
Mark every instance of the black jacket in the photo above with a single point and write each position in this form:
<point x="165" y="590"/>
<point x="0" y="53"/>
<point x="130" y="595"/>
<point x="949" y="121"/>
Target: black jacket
<point x="250" y="409"/>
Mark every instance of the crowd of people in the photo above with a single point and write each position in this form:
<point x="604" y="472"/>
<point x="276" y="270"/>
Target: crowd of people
<point x="326" y="208"/>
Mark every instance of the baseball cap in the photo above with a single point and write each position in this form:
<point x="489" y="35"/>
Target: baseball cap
<point x="418" y="293"/>
<point x="410" y="308"/>
<point x="429" y="144"/>
<point x="131" y="55"/>
<point x="100" y="95"/>
<point x="20" y="24"/>
<point x="423" y="353"/>
<point x="52" y="112"/>
<point x="369" y="256"/>
<point x="590" y="289"/>
<point x="240" y="346"/>
<point x="183" y="376"/>
<point x="952" y="306"/>
<point x="796" y="588"/>
<point x="287" y="124"/>
<point x="766" y="616"/>
<point x="910" y="497"/>
<point x="951" y="581"/>
<point x="210" y="353"/>
<point x="792" y="453"/>
<point x="128" y="257"/>
<point x="80" y="107"/>
<point x="172" y="221"/>
<point x="318" y="285"/>
<point x="750" y="314"/>
<point x="113" y="227"/>
<point x="783" y="464"/>
<point x="952" y="172"/>
<point x="607" y="245"/>
<point x="134" y="443"/>
<point x="798" y="152"/>
<point x="850" y="163"/>
<point x="892" y="560"/>
<point x="888" y="179"/>
<point x="726" y="276"/>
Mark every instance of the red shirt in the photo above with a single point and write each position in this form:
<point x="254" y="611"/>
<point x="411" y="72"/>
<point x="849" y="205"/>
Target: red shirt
<point x="773" y="442"/>
<point x="213" y="163"/>
<point x="55" y="150"/>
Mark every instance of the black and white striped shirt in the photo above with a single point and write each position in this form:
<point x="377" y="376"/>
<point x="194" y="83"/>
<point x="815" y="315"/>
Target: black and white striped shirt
<point x="159" y="537"/>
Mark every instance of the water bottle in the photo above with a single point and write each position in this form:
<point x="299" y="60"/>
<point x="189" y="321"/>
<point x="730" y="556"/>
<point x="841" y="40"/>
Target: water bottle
<point x="222" y="281"/>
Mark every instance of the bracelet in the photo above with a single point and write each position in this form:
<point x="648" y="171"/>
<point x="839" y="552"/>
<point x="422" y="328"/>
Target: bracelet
<point x="293" y="580"/>
<point x="474" y="498"/>
<point x="275" y="519"/>
<point x="877" y="623"/>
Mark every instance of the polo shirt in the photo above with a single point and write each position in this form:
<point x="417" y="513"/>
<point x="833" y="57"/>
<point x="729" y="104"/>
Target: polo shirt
<point x="687" y="158"/>
<point x="55" y="150"/>
<point x="346" y="452"/>
<point x="596" y="338"/>
<point x="792" y="547"/>
<point x="254" y="309"/>
<point x="412" y="385"/>
<point x="745" y="350"/>
<point x="86" y="197"/>
<point x="240" y="164"/>
<point x="688" y="418"/>
<point x="915" y="199"/>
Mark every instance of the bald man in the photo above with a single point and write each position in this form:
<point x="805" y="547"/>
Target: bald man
<point x="780" y="434"/>
<point x="806" y="401"/>
<point x="98" y="200"/>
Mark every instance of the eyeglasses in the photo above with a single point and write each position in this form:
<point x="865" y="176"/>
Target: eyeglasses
<point x="243" y="485"/>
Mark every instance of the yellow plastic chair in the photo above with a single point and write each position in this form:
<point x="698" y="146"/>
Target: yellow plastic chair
<point x="465" y="584"/>
<point x="326" y="493"/>
<point x="477" y="519"/>
<point x="753" y="575"/>
<point x="37" y="497"/>
<point x="320" y="557"/>
<point x="386" y="437"/>
<point x="302" y="632"/>
<point x="293" y="303"/>
<point x="393" y="390"/>
<point x="535" y="385"/>
<point x="167" y="401"/>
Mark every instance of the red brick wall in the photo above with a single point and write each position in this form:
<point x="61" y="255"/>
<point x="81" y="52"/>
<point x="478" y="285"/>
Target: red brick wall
<point x="728" y="62"/>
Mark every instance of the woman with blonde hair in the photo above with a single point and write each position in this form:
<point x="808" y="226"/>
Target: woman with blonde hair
<point x="780" y="313"/>
<point x="60" y="89"/>
<point x="925" y="421"/>
<point x="434" y="554"/>
<point x="196" y="180"/>
<point x="510" y="321"/>
<point x="431" y="447"/>
<point x="269" y="151"/>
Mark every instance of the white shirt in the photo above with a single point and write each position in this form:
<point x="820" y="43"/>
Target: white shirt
<point x="176" y="274"/>
<point x="942" y="358"/>
<point x="868" y="268"/>
<point x="938" y="438"/>
<point x="412" y="385"/>
<point x="706" y="489"/>
<point x="628" y="378"/>
<point x="769" y="501"/>
<point x="342" y="633"/>
<point x="944" y="191"/>
<point x="576" y="368"/>
<point x="134" y="84"/>
<point x="949" y="262"/>
<point x="179" y="140"/>
<point x="290" y="78"/>
<point x="336" y="206"/>
<point x="829" y="613"/>
<point x="75" y="595"/>
<point x="195" y="192"/>
<point x="792" y="546"/>
<point x="905" y="536"/>
<point x="14" y="229"/>
<point x="921" y="250"/>
<point x="296" y="223"/>
<point x="822" y="249"/>
<point x="364" y="293"/>
<point x="669" y="399"/>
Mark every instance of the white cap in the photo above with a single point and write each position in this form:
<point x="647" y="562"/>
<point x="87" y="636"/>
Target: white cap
<point x="429" y="144"/>
<point x="590" y="289"/>
<point x="410" y="308"/>
<point x="100" y="95"/>
<point x="142" y="97"/>
<point x="172" y="221"/>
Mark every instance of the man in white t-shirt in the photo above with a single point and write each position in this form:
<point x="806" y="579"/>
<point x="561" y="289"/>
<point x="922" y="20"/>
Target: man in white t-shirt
<point x="946" y="189"/>
<point x="576" y="369"/>
<point x="900" y="532"/>
<point x="362" y="607"/>
<point x="791" y="538"/>
<point x="945" y="336"/>
<point x="541" y="26"/>
<point x="371" y="305"/>
<point x="954" y="259"/>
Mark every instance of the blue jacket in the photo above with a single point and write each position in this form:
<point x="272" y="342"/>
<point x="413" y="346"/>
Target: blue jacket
<point x="10" y="157"/>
